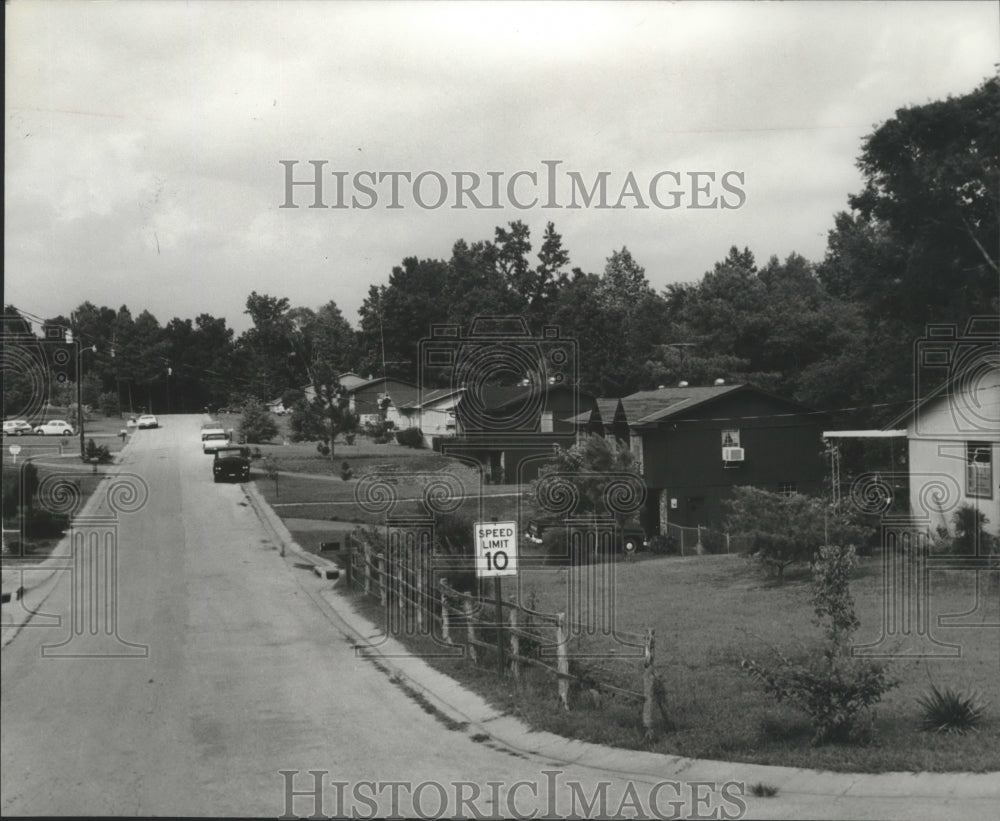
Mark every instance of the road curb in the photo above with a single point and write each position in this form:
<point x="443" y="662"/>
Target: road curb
<point x="323" y="568"/>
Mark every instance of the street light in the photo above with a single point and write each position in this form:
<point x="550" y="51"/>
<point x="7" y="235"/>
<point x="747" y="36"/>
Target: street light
<point x="79" y="387"/>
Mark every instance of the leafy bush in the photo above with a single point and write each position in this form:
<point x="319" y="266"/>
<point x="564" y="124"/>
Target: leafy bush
<point x="379" y="432"/>
<point x="661" y="545"/>
<point x="345" y="471"/>
<point x="256" y="424"/>
<point x="834" y="689"/>
<point x="26" y="476"/>
<point x="44" y="524"/>
<point x="950" y="711"/>
<point x="410" y="437"/>
<point x="970" y="531"/>
<point x="98" y="453"/>
<point x="778" y="530"/>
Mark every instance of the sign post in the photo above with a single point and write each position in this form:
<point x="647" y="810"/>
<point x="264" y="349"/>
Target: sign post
<point x="14" y="450"/>
<point x="496" y="556"/>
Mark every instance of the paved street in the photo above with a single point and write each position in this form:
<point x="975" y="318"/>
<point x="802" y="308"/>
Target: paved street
<point x="232" y="665"/>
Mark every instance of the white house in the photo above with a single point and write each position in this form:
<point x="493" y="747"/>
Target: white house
<point x="432" y="412"/>
<point x="953" y="444"/>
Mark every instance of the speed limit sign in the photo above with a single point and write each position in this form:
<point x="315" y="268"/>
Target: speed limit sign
<point x="496" y="549"/>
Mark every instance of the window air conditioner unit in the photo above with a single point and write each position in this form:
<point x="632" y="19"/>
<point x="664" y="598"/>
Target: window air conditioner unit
<point x="732" y="454"/>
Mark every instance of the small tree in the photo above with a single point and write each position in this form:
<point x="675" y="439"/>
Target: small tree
<point x="256" y="424"/>
<point x="588" y="465"/>
<point x="325" y="417"/>
<point x="833" y="688"/>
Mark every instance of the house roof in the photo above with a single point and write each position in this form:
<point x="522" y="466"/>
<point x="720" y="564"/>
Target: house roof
<point x="961" y="375"/>
<point x="350" y="380"/>
<point x="430" y="397"/>
<point x="649" y="407"/>
<point x="368" y="383"/>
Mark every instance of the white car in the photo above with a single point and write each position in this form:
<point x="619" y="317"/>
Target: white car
<point x="16" y="427"/>
<point x="213" y="438"/>
<point x="147" y="420"/>
<point x="55" y="427"/>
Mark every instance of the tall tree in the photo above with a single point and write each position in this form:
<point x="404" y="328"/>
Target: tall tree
<point x="264" y="351"/>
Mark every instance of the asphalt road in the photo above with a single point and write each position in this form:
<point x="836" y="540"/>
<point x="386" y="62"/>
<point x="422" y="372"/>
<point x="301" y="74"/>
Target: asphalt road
<point x="180" y="669"/>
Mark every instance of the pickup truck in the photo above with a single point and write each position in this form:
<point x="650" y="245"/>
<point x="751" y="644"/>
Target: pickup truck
<point x="231" y="463"/>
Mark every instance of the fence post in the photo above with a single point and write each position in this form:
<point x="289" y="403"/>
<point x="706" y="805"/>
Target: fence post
<point x="470" y="630"/>
<point x="648" y="683"/>
<point x="727" y="543"/>
<point x="445" y="621"/>
<point x="382" y="585"/>
<point x="562" y="661"/>
<point x="419" y="584"/>
<point x="368" y="568"/>
<point x="699" y="548"/>
<point x="515" y="647"/>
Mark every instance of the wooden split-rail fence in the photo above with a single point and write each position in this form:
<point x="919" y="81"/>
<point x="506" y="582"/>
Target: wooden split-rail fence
<point x="582" y="656"/>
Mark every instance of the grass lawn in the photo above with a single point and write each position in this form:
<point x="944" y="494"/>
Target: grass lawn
<point x="711" y="611"/>
<point x="56" y="454"/>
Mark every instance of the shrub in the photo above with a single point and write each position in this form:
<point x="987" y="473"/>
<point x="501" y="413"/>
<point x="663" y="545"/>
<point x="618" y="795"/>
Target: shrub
<point x="970" y="531"/>
<point x="410" y="437"/>
<point x="950" y="711"/>
<point x="779" y="530"/>
<point x="834" y="689"/>
<point x="256" y="424"/>
<point x="26" y="476"/>
<point x="380" y="432"/>
<point x="44" y="524"/>
<point x="661" y="545"/>
<point x="98" y="453"/>
<point x="345" y="471"/>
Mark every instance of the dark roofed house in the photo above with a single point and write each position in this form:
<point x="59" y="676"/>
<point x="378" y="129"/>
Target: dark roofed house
<point x="695" y="444"/>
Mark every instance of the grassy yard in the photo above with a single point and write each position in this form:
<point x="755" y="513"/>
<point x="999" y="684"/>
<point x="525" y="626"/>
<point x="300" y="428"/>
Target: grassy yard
<point x="711" y="611"/>
<point x="55" y="454"/>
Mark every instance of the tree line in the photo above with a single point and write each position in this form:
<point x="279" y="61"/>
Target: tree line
<point x="918" y="243"/>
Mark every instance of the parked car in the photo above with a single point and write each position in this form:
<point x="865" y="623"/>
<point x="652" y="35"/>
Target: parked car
<point x="231" y="463"/>
<point x="16" y="427"/>
<point x="147" y="420"/>
<point x="213" y="438"/>
<point x="55" y="427"/>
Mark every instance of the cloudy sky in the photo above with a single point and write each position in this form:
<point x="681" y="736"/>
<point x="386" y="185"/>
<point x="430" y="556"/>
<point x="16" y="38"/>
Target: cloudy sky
<point x="144" y="140"/>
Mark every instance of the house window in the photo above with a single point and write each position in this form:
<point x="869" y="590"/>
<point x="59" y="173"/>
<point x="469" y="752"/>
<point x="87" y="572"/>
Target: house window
<point x="978" y="470"/>
<point x="788" y="488"/>
<point x="731" y="437"/>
